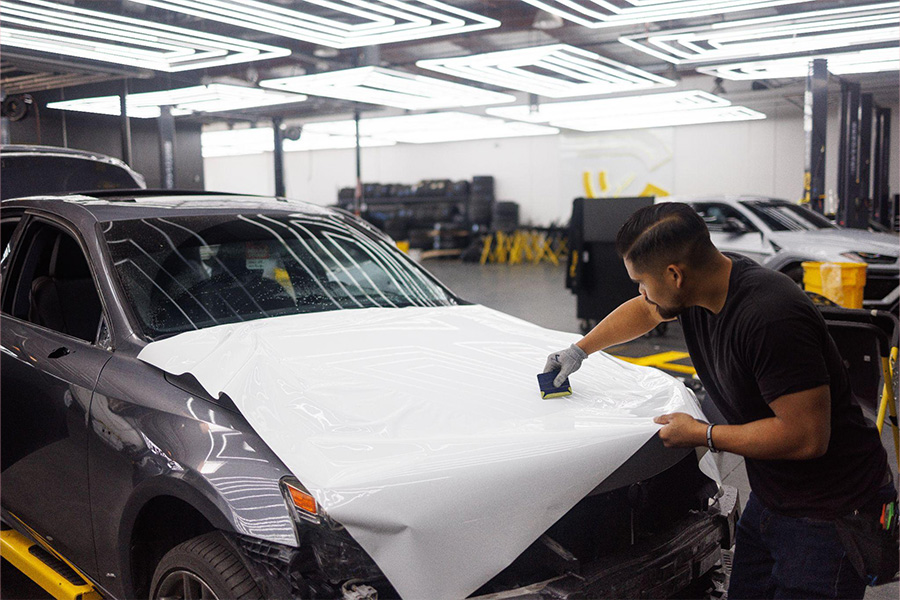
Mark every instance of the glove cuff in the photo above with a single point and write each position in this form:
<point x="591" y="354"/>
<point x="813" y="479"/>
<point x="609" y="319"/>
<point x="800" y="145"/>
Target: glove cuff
<point x="578" y="351"/>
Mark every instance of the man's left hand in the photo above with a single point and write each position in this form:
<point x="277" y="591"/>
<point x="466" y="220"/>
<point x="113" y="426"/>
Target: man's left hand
<point x="681" y="430"/>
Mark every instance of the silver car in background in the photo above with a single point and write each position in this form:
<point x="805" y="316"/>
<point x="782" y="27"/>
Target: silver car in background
<point x="781" y="235"/>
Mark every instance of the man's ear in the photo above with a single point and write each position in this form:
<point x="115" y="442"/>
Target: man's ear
<point x="675" y="274"/>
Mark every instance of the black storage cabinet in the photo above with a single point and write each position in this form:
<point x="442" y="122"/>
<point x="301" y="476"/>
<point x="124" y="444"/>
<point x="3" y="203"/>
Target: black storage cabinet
<point x="596" y="274"/>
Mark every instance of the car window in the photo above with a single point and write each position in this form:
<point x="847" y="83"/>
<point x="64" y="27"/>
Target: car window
<point x="38" y="174"/>
<point x="717" y="214"/>
<point x="7" y="228"/>
<point x="784" y="216"/>
<point x="51" y="283"/>
<point x="185" y="273"/>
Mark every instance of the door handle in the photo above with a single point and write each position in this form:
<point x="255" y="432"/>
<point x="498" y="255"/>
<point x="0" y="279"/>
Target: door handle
<point x="59" y="352"/>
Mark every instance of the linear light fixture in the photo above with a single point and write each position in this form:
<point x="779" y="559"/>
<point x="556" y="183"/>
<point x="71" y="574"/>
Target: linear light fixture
<point x="556" y="71"/>
<point x="337" y="23"/>
<point x="71" y="31"/>
<point x="606" y="13"/>
<point x="433" y="127"/>
<point x="215" y="97"/>
<point x="385" y="87"/>
<point x="632" y="112"/>
<point x="840" y="28"/>
<point x="845" y="63"/>
<point x="551" y="112"/>
<point x="257" y="140"/>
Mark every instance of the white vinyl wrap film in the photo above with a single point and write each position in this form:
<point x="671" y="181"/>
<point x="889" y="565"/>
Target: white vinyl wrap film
<point x="422" y="430"/>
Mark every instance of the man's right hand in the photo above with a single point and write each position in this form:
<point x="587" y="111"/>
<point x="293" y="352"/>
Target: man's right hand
<point x="565" y="361"/>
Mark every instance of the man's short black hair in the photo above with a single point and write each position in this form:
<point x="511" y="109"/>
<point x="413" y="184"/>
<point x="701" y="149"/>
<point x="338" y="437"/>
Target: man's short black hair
<point x="663" y="234"/>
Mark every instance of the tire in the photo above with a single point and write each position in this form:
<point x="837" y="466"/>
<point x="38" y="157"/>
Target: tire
<point x="208" y="567"/>
<point x="795" y="272"/>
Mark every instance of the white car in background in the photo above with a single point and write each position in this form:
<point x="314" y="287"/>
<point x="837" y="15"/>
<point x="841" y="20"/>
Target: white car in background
<point x="781" y="235"/>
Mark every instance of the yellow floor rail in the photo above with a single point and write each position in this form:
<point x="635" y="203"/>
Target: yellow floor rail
<point x="24" y="555"/>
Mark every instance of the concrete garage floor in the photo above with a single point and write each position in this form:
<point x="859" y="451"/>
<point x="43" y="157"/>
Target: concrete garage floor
<point x="537" y="293"/>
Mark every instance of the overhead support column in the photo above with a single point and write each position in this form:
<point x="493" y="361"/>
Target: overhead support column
<point x="881" y="194"/>
<point x="851" y="206"/>
<point x="278" y="156"/>
<point x="166" y="148"/>
<point x="815" y="116"/>
<point x="125" y="124"/>
<point x="358" y="197"/>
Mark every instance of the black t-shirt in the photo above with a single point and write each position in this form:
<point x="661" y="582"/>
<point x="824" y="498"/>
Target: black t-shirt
<point x="767" y="341"/>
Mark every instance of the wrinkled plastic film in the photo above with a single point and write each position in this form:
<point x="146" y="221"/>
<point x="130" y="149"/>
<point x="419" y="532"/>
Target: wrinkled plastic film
<point x="422" y="430"/>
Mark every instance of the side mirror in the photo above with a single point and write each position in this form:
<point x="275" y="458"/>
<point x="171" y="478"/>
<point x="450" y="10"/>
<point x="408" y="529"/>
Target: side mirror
<point x="733" y="225"/>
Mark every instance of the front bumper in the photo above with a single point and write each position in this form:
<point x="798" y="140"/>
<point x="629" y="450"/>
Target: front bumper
<point x="654" y="568"/>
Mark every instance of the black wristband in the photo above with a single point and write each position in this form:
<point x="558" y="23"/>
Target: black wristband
<point x="709" y="442"/>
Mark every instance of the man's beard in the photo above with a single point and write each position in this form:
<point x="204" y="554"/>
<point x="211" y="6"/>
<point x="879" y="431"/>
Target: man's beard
<point x="668" y="312"/>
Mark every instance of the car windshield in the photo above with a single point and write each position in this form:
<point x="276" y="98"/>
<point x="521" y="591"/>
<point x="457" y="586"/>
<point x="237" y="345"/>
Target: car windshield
<point x="38" y="174"/>
<point x="184" y="273"/>
<point x="784" y="216"/>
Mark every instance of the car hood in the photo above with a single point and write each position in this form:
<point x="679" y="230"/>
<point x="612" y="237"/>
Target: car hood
<point x="422" y="430"/>
<point x="828" y="244"/>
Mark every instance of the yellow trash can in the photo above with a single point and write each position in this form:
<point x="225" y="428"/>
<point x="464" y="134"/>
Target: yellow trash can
<point x="840" y="282"/>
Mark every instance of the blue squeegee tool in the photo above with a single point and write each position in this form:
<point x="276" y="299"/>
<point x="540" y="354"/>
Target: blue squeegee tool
<point x="548" y="390"/>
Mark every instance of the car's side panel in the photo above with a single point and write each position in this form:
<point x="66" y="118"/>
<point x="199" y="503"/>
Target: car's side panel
<point x="151" y="439"/>
<point x="44" y="437"/>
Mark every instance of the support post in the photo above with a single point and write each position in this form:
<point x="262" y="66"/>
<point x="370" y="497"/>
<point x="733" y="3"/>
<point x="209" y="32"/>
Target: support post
<point x="881" y="194"/>
<point x="125" y="124"/>
<point x="358" y="196"/>
<point x="850" y="205"/>
<point x="815" y="116"/>
<point x="166" y="124"/>
<point x="278" y="156"/>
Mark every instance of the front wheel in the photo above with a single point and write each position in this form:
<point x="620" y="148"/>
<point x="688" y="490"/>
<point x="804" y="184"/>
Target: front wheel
<point x="205" y="568"/>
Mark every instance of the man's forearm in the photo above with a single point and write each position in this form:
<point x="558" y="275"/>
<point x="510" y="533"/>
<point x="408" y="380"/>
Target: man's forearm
<point x="631" y="320"/>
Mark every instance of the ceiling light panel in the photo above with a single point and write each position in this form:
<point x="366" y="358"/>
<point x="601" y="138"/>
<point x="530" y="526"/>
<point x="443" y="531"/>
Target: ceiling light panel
<point x="433" y="128"/>
<point x="609" y="13"/>
<point x="633" y="112"/>
<point x="215" y="97"/>
<point x="556" y="71"/>
<point x="57" y="28"/>
<point x="812" y="31"/>
<point x="589" y="109"/>
<point x="337" y="23"/>
<point x="240" y="142"/>
<point x="845" y="63"/>
<point x="385" y="87"/>
<point x="662" y="119"/>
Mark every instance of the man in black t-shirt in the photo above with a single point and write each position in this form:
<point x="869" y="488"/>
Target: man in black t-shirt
<point x="763" y="353"/>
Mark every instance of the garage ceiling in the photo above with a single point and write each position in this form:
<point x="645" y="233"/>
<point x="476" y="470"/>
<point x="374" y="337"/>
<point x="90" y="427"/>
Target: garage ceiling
<point x="567" y="49"/>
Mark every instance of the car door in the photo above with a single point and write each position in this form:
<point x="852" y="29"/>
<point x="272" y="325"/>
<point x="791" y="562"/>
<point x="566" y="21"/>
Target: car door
<point x="732" y="231"/>
<point x="50" y="316"/>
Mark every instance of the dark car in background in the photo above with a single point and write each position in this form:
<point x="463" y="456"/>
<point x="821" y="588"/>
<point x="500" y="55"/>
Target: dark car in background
<point x="39" y="170"/>
<point x="152" y="485"/>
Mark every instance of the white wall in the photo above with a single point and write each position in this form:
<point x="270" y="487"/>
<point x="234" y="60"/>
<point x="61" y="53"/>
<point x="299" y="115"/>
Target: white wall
<point x="544" y="174"/>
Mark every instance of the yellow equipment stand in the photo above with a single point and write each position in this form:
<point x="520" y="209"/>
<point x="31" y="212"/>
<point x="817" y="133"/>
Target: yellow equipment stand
<point x="16" y="548"/>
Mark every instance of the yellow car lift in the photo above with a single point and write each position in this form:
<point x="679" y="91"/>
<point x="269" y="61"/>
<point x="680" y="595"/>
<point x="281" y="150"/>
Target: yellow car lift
<point x="46" y="568"/>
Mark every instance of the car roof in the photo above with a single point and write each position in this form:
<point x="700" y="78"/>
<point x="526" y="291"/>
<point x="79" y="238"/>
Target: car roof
<point x="120" y="205"/>
<point x="726" y="198"/>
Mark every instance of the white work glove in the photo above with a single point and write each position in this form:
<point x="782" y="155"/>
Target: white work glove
<point x="566" y="362"/>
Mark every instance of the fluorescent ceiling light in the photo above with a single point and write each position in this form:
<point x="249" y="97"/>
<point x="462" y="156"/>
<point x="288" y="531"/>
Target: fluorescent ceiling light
<point x="588" y="109"/>
<point x="607" y="13"/>
<point x="845" y="63"/>
<point x="662" y="119"/>
<point x="633" y="112"/>
<point x="385" y="87"/>
<point x="241" y="142"/>
<point x="215" y="97"/>
<point x="557" y="71"/>
<point x="71" y="31"/>
<point x="432" y="128"/>
<point x="840" y="28"/>
<point x="337" y="23"/>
